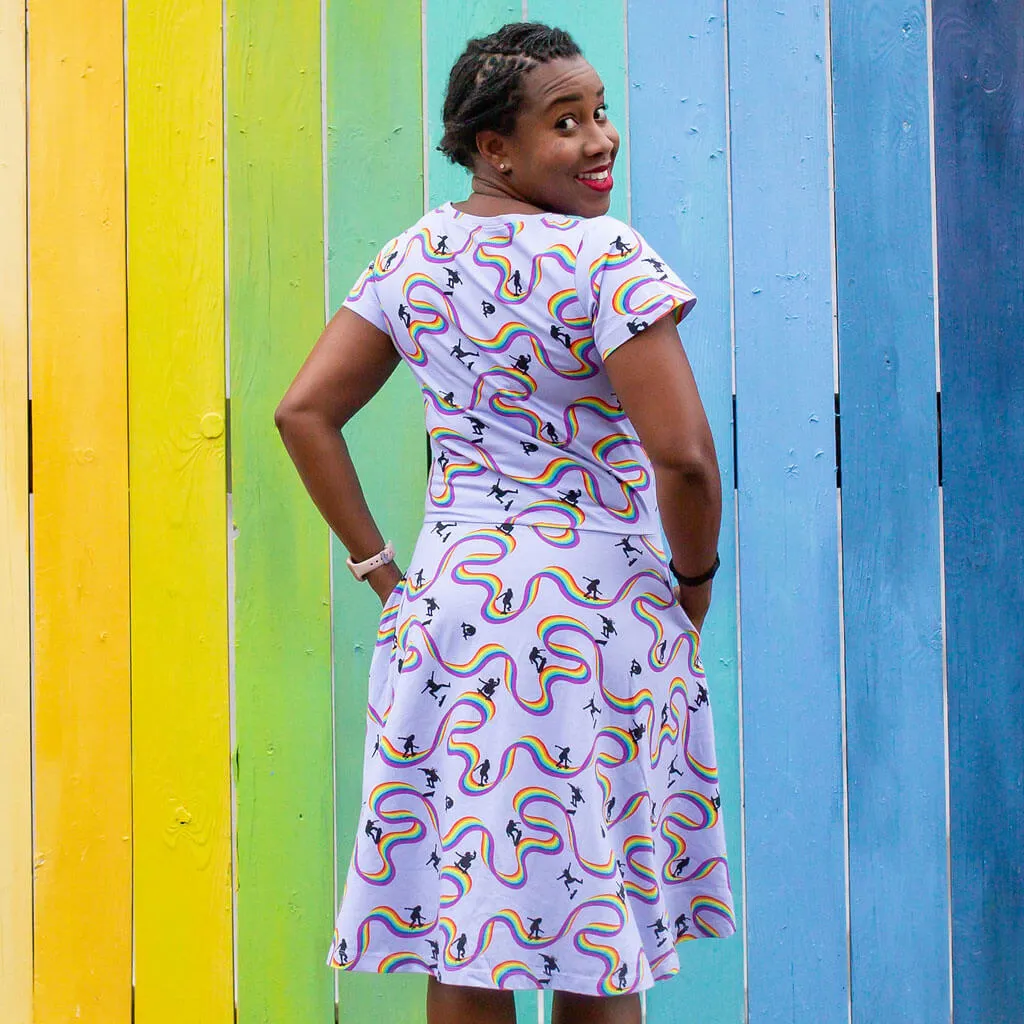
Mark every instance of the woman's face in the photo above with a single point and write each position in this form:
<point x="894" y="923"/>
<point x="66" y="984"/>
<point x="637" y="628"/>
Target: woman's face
<point x="563" y="147"/>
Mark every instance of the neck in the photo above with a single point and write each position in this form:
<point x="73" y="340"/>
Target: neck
<point x="490" y="191"/>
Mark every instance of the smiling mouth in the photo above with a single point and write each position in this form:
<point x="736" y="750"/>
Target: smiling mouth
<point x="599" y="180"/>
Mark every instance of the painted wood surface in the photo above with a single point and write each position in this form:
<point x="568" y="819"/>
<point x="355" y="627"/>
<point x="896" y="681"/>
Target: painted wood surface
<point x="599" y="29"/>
<point x="788" y="545"/>
<point x="81" y="686"/>
<point x="282" y="625"/>
<point x="680" y="202"/>
<point x="15" y="658"/>
<point x="375" y="190"/>
<point x="899" y="905"/>
<point x="449" y="25"/>
<point x="979" y="169"/>
<point x="181" y="806"/>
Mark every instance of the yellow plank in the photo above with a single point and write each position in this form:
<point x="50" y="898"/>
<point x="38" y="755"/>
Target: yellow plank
<point x="81" y="697"/>
<point x="15" y="678"/>
<point x="180" y="707"/>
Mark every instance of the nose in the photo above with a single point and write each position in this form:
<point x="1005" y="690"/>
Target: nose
<point x="601" y="139"/>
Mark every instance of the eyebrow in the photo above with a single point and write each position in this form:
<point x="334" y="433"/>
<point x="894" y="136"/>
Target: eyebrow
<point x="572" y="97"/>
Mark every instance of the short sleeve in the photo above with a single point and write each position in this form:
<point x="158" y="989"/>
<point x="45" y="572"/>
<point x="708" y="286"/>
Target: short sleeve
<point x="363" y="297"/>
<point x="624" y="285"/>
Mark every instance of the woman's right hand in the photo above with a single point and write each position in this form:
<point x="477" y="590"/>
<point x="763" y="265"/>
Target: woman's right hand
<point x="695" y="602"/>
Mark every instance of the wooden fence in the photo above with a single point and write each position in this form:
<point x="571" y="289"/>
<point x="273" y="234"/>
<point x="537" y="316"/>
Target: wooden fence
<point x="186" y="192"/>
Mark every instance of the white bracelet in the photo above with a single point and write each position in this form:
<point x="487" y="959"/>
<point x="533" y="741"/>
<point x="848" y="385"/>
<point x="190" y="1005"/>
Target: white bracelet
<point x="360" y="569"/>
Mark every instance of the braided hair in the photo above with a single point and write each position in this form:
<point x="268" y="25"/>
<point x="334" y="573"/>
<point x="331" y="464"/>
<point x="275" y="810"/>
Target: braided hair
<point x="485" y="85"/>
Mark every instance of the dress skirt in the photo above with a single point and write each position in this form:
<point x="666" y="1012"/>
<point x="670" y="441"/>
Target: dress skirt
<point x="540" y="803"/>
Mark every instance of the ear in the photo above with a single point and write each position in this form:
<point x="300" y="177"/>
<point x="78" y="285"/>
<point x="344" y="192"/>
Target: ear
<point x="494" y="148"/>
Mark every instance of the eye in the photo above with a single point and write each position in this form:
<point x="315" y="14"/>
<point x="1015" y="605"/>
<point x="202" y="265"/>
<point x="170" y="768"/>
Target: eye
<point x="602" y="111"/>
<point x="562" y="125"/>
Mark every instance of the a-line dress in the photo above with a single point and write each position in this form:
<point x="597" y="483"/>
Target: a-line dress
<point x="540" y="800"/>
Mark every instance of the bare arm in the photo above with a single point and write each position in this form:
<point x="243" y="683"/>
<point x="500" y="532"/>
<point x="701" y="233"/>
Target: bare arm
<point x="349" y="364"/>
<point x="652" y="378"/>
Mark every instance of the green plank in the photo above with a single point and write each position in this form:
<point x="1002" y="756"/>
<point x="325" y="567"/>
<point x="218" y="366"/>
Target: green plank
<point x="283" y="672"/>
<point x="375" y="190"/>
<point x="599" y="29"/>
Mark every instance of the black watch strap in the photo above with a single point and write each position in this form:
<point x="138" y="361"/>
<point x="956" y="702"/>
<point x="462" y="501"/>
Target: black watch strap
<point x="695" y="581"/>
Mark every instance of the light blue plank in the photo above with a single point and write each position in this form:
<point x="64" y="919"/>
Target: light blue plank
<point x="681" y="204"/>
<point x="450" y="25"/>
<point x="891" y="560"/>
<point x="599" y="29"/>
<point x="979" y="166"/>
<point x="792" y="715"/>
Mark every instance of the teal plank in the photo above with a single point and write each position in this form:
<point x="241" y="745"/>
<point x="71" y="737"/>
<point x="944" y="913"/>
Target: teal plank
<point x="681" y="204"/>
<point x="979" y="172"/>
<point x="599" y="29"/>
<point x="890" y="515"/>
<point x="450" y="25"/>
<point x="797" y="964"/>
<point x="375" y="190"/>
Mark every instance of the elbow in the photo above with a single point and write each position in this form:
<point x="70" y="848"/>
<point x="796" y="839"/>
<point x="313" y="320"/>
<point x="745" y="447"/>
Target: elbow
<point x="695" y="462"/>
<point x="283" y="415"/>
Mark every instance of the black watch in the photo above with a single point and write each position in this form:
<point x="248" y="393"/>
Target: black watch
<point x="695" y="581"/>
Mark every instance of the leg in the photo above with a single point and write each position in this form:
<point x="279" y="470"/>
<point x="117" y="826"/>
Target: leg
<point x="465" y="1004"/>
<point x="574" y="1008"/>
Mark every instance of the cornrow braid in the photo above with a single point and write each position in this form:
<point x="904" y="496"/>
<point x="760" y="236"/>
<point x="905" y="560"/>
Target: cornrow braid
<point x="485" y="84"/>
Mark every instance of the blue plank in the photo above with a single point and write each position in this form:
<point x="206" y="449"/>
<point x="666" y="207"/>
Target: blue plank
<point x="681" y="204"/>
<point x="979" y="167"/>
<point x="788" y="555"/>
<point x="890" y="515"/>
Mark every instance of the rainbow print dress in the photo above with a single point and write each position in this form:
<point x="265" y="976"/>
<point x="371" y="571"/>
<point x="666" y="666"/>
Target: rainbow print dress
<point x="540" y="802"/>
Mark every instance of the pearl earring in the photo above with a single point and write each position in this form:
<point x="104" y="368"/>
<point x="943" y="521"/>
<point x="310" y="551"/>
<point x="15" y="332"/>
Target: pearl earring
<point x="501" y="166"/>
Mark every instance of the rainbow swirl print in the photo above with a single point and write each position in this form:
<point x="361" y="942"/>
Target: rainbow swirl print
<point x="704" y="909"/>
<point x="626" y="303"/>
<point x="560" y="308"/>
<point x="401" y="962"/>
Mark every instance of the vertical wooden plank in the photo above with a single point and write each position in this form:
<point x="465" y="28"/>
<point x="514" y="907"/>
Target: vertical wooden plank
<point x="180" y="712"/>
<point x="282" y="642"/>
<point x="599" y="28"/>
<point x="375" y="190"/>
<point x="681" y="203"/>
<point x="788" y="557"/>
<point x="449" y="25"/>
<point x="82" y="694"/>
<point x="15" y="662"/>
<point x="979" y="168"/>
<point x="890" y="514"/>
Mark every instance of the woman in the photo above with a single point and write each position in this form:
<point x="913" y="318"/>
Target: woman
<point x="540" y="800"/>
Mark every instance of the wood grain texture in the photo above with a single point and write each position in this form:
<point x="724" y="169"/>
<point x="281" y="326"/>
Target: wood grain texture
<point x="979" y="167"/>
<point x="890" y="514"/>
<point x="282" y="608"/>
<point x="82" y="697"/>
<point x="788" y="554"/>
<point x="15" y="659"/>
<point x="180" y="708"/>
<point x="375" y="190"/>
<point x="599" y="29"/>
<point x="450" y="24"/>
<point x="681" y="205"/>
